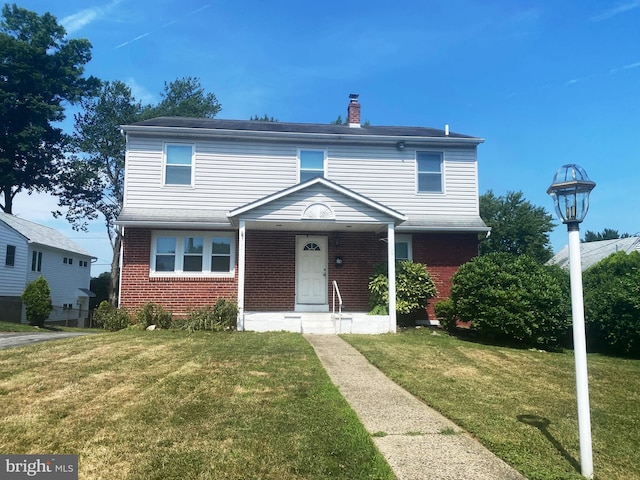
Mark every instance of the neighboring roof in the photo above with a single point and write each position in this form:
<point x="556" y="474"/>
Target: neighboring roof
<point x="592" y="252"/>
<point x="42" y="235"/>
<point x="217" y="126"/>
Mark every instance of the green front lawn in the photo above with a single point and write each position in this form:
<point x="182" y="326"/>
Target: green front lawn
<point x="521" y="404"/>
<point x="168" y="405"/>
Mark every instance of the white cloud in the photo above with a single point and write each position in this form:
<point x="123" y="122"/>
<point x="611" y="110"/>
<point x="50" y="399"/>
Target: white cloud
<point x="81" y="19"/>
<point x="140" y="92"/>
<point x="631" y="65"/>
<point x="617" y="10"/>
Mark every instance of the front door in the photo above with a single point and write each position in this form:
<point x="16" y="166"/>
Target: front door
<point x="311" y="272"/>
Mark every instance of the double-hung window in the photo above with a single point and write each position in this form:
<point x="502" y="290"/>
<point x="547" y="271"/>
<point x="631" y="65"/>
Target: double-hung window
<point x="10" y="257"/>
<point x="178" y="169"/>
<point x="429" y="166"/>
<point x="193" y="254"/>
<point x="311" y="164"/>
<point x="404" y="249"/>
<point x="36" y="261"/>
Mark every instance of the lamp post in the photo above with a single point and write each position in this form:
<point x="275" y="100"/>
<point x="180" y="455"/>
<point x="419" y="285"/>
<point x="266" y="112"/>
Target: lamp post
<point x="570" y="192"/>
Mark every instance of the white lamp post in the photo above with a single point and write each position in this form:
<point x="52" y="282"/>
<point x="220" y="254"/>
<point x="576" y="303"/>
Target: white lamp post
<point x="570" y="192"/>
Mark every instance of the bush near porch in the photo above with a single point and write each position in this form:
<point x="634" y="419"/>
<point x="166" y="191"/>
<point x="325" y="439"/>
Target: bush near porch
<point x="414" y="289"/>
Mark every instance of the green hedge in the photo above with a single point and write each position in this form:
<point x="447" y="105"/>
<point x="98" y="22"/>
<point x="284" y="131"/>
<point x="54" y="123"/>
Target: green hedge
<point x="612" y="305"/>
<point x="511" y="299"/>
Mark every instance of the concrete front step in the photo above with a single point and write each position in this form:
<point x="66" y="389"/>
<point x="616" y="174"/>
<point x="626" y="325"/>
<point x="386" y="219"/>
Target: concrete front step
<point x="316" y="323"/>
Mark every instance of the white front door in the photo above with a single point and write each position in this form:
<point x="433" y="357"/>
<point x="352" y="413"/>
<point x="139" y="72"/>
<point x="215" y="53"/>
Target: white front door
<point x="311" y="270"/>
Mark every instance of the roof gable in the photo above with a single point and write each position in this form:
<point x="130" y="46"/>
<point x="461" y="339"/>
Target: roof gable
<point x="42" y="235"/>
<point x="312" y="201"/>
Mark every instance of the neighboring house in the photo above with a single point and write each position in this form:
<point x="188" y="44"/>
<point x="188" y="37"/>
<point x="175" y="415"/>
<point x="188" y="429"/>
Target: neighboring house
<point x="28" y="250"/>
<point x="277" y="215"/>
<point x="592" y="252"/>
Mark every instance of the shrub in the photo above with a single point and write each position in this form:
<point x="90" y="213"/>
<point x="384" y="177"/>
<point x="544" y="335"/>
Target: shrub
<point x="37" y="301"/>
<point x="153" y="314"/>
<point x="221" y="317"/>
<point x="446" y="314"/>
<point x="509" y="298"/>
<point x="414" y="288"/>
<point x="612" y="304"/>
<point x="110" y="318"/>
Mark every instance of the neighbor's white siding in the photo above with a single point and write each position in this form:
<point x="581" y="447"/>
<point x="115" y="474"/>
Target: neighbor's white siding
<point x="64" y="280"/>
<point x="12" y="278"/>
<point x="231" y="174"/>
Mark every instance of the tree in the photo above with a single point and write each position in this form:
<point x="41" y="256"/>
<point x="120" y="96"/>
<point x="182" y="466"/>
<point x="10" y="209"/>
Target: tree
<point x="37" y="301"/>
<point x="39" y="71"/>
<point x="517" y="226"/>
<point x="184" y="97"/>
<point x="91" y="182"/>
<point x="606" y="234"/>
<point x="264" y="118"/>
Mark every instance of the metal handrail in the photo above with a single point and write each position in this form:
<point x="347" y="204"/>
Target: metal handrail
<point x="336" y="292"/>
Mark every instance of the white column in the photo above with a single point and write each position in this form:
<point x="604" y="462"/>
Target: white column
<point x="241" y="268"/>
<point x="391" y="254"/>
<point x="580" y="352"/>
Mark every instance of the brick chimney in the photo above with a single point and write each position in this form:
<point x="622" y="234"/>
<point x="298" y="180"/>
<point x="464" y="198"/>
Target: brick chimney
<point x="353" y="111"/>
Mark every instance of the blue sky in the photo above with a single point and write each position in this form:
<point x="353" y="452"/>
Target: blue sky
<point x="544" y="83"/>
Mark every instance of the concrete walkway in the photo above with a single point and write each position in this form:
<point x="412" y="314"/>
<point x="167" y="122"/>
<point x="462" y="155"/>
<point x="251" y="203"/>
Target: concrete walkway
<point x="419" y="443"/>
<point x="18" y="339"/>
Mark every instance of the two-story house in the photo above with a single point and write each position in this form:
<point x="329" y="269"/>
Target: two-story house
<point x="29" y="250"/>
<point x="290" y="219"/>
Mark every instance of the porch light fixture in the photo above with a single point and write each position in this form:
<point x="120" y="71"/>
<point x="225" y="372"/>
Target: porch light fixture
<point x="400" y="146"/>
<point x="570" y="192"/>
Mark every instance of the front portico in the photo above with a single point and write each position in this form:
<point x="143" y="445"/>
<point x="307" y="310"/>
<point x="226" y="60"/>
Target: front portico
<point x="305" y="248"/>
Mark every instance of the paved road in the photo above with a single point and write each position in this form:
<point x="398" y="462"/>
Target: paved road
<point x="18" y="339"/>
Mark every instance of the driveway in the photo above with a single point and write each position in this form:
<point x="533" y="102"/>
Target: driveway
<point x="18" y="339"/>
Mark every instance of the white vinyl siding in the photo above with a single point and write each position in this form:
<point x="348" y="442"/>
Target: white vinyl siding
<point x="208" y="254"/>
<point x="230" y="174"/>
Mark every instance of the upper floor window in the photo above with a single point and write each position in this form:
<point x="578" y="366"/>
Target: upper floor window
<point x="404" y="249"/>
<point x="36" y="261"/>
<point x="178" y="164"/>
<point x="429" y="172"/>
<point x="10" y="257"/>
<point x="193" y="253"/>
<point x="67" y="261"/>
<point x="311" y="164"/>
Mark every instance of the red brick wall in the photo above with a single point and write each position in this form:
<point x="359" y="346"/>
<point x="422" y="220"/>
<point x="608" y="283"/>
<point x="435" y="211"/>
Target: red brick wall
<point x="177" y="295"/>
<point x="443" y="253"/>
<point x="270" y="270"/>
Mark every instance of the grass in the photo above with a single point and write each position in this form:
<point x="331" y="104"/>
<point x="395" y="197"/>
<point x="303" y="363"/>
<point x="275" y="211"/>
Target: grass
<point x="168" y="405"/>
<point x="520" y="403"/>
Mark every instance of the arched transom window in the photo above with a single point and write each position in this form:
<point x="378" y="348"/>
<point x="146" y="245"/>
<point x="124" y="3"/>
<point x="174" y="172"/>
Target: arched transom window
<point x="312" y="247"/>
